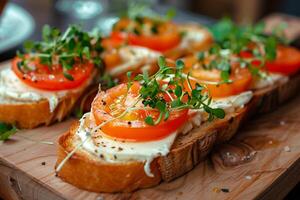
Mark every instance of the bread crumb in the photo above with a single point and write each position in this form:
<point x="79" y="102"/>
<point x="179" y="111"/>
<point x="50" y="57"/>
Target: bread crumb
<point x="216" y="190"/>
<point x="282" y="123"/>
<point x="248" y="177"/>
<point x="270" y="142"/>
<point x="287" y="149"/>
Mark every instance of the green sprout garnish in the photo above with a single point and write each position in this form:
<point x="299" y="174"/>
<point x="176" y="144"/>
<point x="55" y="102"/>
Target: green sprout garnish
<point x="74" y="45"/>
<point x="231" y="40"/>
<point x="171" y="81"/>
<point x="6" y="130"/>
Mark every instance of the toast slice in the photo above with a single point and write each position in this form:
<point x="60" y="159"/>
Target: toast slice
<point x="186" y="152"/>
<point x="94" y="174"/>
<point x="28" y="115"/>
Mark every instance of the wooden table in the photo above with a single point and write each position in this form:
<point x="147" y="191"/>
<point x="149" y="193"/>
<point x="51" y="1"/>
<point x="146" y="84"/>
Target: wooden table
<point x="27" y="165"/>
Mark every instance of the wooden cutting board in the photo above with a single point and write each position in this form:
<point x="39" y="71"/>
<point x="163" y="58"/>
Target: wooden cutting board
<point x="261" y="162"/>
<point x="269" y="146"/>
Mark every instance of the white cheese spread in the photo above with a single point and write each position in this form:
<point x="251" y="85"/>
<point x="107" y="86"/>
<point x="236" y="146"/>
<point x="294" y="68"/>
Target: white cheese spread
<point x="134" y="57"/>
<point x="14" y="91"/>
<point x="271" y="79"/>
<point x="192" y="34"/>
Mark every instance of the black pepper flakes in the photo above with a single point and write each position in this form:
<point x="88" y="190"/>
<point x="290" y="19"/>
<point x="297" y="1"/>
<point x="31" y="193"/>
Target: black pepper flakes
<point x="226" y="190"/>
<point x="120" y="149"/>
<point x="43" y="163"/>
<point x="129" y="122"/>
<point x="113" y="147"/>
<point x="101" y="156"/>
<point x="115" y="157"/>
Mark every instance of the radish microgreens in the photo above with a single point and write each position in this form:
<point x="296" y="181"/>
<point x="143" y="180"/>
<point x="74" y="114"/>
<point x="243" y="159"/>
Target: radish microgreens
<point x="66" y="49"/>
<point x="6" y="130"/>
<point x="231" y="40"/>
<point x="171" y="82"/>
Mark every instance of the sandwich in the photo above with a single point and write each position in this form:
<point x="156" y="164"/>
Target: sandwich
<point x="43" y="84"/>
<point x="161" y="34"/>
<point x="244" y="58"/>
<point x="150" y="129"/>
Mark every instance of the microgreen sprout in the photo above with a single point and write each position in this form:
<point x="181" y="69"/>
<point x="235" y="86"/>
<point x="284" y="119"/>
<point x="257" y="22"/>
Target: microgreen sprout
<point x="231" y="40"/>
<point x="172" y="82"/>
<point x="66" y="49"/>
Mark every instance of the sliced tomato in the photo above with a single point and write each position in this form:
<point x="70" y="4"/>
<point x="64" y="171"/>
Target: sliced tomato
<point x="241" y="79"/>
<point x="52" y="79"/>
<point x="112" y="43"/>
<point x="132" y="125"/>
<point x="287" y="61"/>
<point x="166" y="37"/>
<point x="161" y="42"/>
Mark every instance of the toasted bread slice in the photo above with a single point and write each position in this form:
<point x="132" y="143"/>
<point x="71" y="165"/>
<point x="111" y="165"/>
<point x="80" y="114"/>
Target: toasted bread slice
<point x="89" y="172"/>
<point x="188" y="150"/>
<point x="29" y="115"/>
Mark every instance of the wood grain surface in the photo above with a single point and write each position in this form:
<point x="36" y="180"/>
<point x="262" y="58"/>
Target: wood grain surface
<point x="273" y="168"/>
<point x="261" y="162"/>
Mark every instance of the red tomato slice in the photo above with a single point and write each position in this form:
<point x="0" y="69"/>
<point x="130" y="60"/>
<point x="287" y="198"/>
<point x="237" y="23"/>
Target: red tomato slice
<point x="132" y="126"/>
<point x="159" y="43"/>
<point x="112" y="43"/>
<point x="287" y="61"/>
<point x="166" y="37"/>
<point x="44" y="78"/>
<point x="241" y="79"/>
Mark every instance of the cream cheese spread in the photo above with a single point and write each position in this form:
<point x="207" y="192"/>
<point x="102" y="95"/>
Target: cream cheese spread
<point x="14" y="91"/>
<point x="270" y="80"/>
<point x="134" y="57"/>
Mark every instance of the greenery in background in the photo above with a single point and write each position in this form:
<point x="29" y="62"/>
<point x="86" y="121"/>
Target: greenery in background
<point x="170" y="81"/>
<point x="72" y="46"/>
<point x="6" y="130"/>
<point x="231" y="40"/>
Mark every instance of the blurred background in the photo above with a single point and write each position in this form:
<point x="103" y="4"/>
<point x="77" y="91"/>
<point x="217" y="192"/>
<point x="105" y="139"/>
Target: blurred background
<point x="23" y="19"/>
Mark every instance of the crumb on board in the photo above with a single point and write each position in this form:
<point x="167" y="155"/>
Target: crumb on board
<point x="248" y="177"/>
<point x="216" y="190"/>
<point x="282" y="123"/>
<point x="287" y="149"/>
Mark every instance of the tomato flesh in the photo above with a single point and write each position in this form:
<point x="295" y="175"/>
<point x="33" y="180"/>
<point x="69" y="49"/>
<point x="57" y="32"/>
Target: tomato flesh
<point x="287" y="61"/>
<point x="132" y="127"/>
<point x="52" y="79"/>
<point x="241" y="79"/>
<point x="165" y="38"/>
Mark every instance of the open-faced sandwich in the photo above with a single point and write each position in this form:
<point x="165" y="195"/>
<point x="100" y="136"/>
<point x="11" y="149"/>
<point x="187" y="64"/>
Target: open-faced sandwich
<point x="244" y="58"/>
<point x="158" y="127"/>
<point x="42" y="85"/>
<point x="152" y="129"/>
<point x="161" y="34"/>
